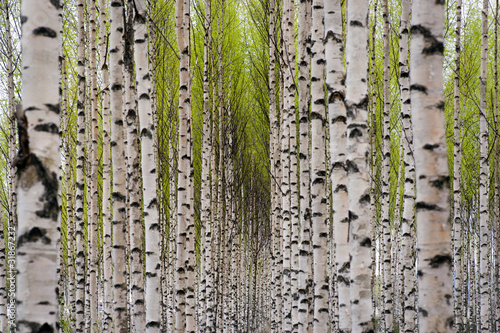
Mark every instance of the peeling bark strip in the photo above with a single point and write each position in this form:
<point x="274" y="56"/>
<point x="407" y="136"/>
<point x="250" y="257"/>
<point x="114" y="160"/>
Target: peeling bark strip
<point x="433" y="227"/>
<point x="38" y="171"/>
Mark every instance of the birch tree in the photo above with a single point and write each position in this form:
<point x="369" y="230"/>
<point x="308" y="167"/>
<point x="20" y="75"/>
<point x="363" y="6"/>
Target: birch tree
<point x="335" y="76"/>
<point x="357" y="166"/>
<point x="318" y="168"/>
<point x="185" y="301"/>
<point x="484" y="176"/>
<point x="148" y="165"/>
<point x="432" y="205"/>
<point x="118" y="168"/>
<point x="38" y="168"/>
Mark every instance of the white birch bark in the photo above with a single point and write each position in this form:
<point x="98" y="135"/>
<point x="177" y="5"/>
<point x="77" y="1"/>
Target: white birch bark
<point x="106" y="173"/>
<point x="80" y="177"/>
<point x="335" y="76"/>
<point x="94" y="171"/>
<point x="304" y="251"/>
<point x="432" y="205"/>
<point x="484" y="181"/>
<point x="148" y="165"/>
<point x="357" y="167"/>
<point x="457" y="221"/>
<point x="185" y="269"/>
<point x="120" y="319"/>
<point x="386" y="319"/>
<point x="408" y="214"/>
<point x="38" y="168"/>
<point x="206" y="216"/>
<point x="318" y="176"/>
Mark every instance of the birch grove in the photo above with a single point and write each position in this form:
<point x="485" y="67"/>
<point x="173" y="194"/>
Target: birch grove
<point x="249" y="166"/>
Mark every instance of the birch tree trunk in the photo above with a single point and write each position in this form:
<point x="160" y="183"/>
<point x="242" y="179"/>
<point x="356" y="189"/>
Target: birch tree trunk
<point x="387" y="318"/>
<point x="408" y="214"/>
<point x="92" y="223"/>
<point x="285" y="164"/>
<point x="206" y="195"/>
<point x="335" y="76"/>
<point x="484" y="183"/>
<point x="357" y="167"/>
<point x="148" y="166"/>
<point x="318" y="168"/>
<point x="185" y="269"/>
<point x="80" y="176"/>
<point x="106" y="173"/>
<point x="304" y="251"/>
<point x="457" y="221"/>
<point x="120" y="319"/>
<point x="432" y="206"/>
<point x="38" y="168"/>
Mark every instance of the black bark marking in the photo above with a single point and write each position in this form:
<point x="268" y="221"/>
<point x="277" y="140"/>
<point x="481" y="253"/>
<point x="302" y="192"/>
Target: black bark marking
<point x="54" y="108"/>
<point x="364" y="199"/>
<point x="427" y="206"/>
<point x="431" y="147"/>
<point x="366" y="242"/>
<point x="439" y="260"/>
<point x="35" y="327"/>
<point x="144" y="96"/>
<point x="355" y="23"/>
<point x="24" y="19"/>
<point x="44" y="31"/>
<point x="423" y="312"/>
<point x="431" y="44"/>
<point x="118" y="197"/>
<point x="50" y="127"/>
<point x="34" y="235"/>
<point x="23" y="155"/>
<point x="441" y="182"/>
<point x="352" y="216"/>
<point x="116" y="87"/>
<point x="56" y="3"/>
<point x="418" y="87"/>
<point x="352" y="167"/>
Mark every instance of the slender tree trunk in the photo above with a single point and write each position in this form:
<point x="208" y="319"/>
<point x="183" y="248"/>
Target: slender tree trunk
<point x="387" y="324"/>
<point x="432" y="206"/>
<point x="185" y="269"/>
<point x="137" y="310"/>
<point x="94" y="155"/>
<point x="484" y="176"/>
<point x="335" y="77"/>
<point x="38" y="169"/>
<point x="357" y="167"/>
<point x="318" y="176"/>
<point x="304" y="251"/>
<point x="80" y="177"/>
<point x="457" y="221"/>
<point x="408" y="215"/>
<point x="106" y="173"/>
<point x="149" y="175"/>
<point x="206" y="216"/>
<point x="118" y="168"/>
